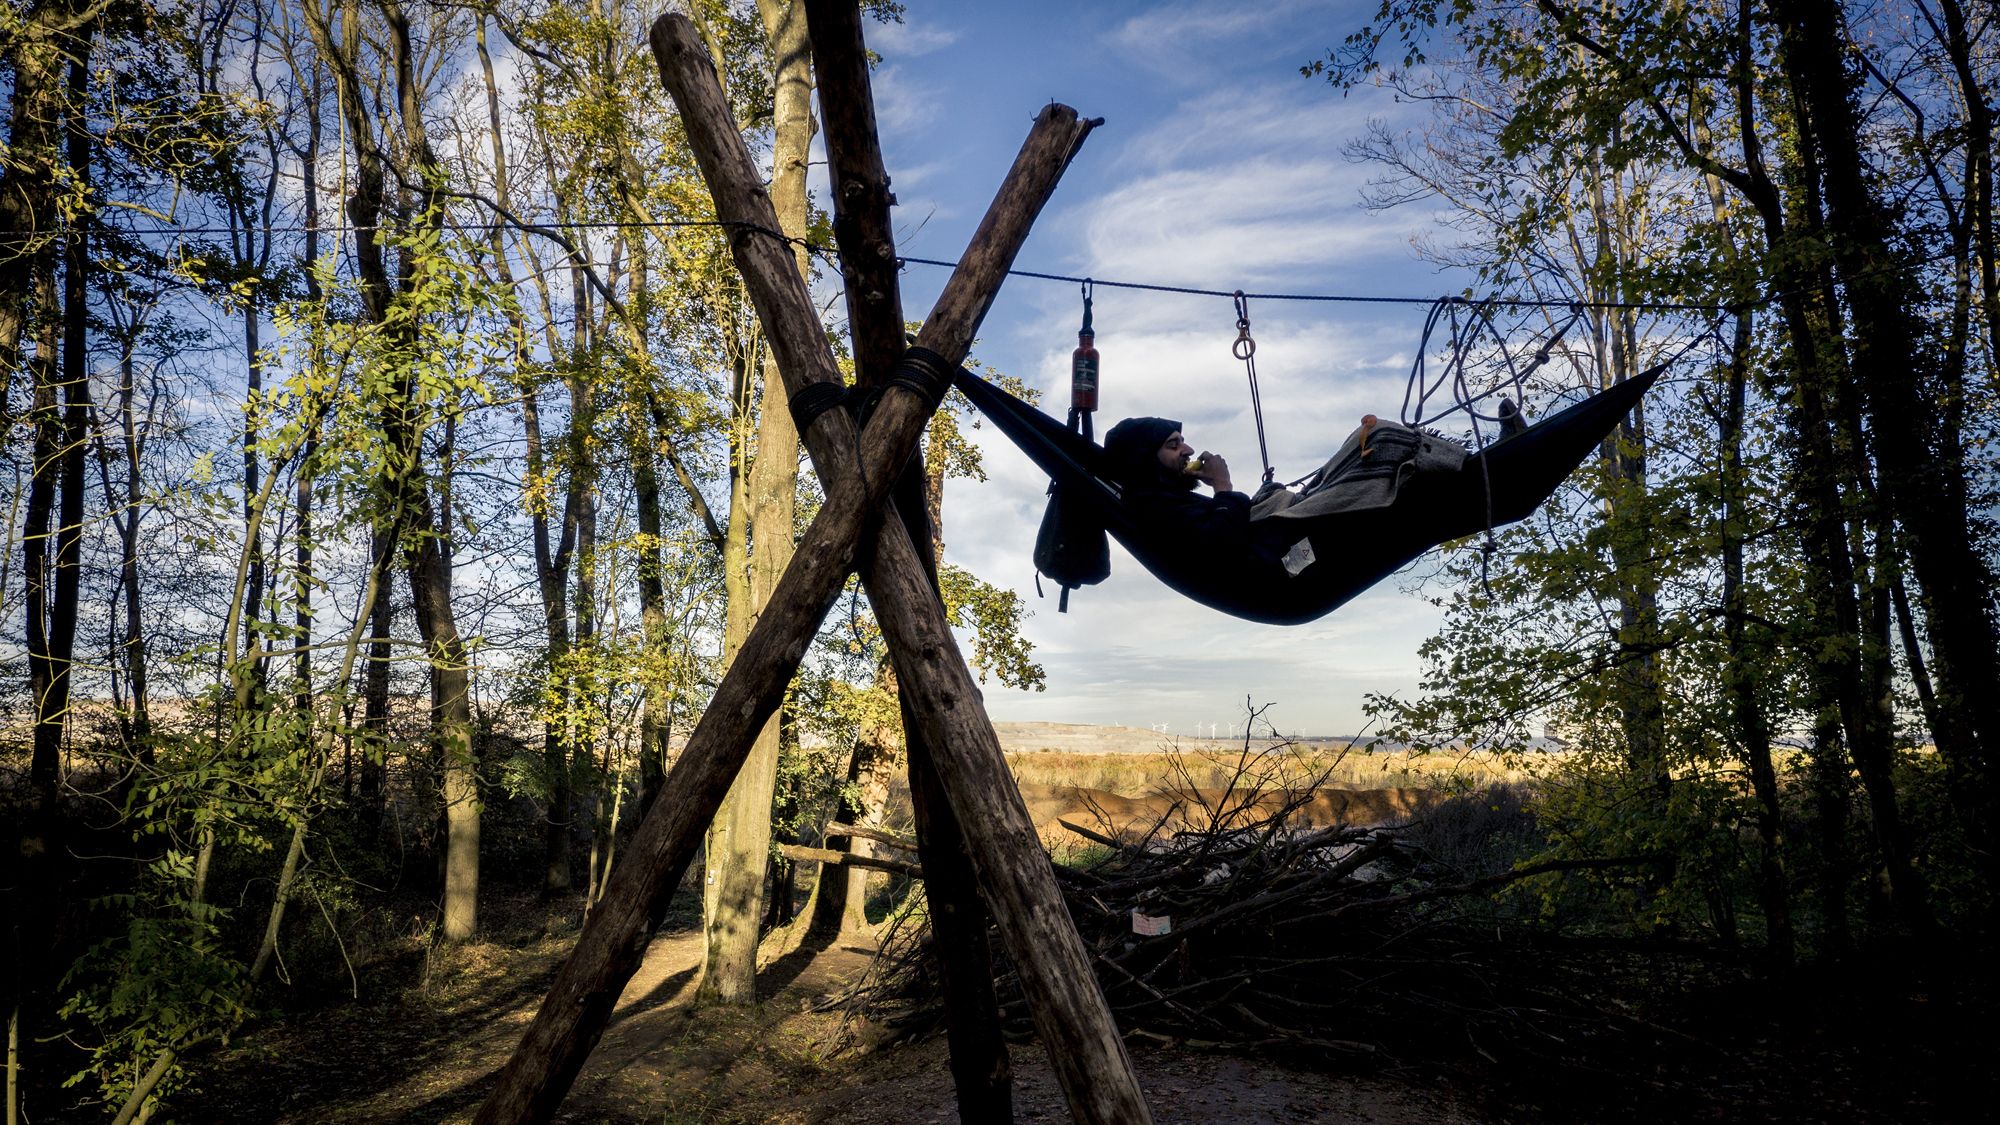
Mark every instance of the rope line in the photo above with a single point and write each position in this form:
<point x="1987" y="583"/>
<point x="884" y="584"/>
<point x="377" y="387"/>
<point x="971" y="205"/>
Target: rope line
<point x="1353" y="298"/>
<point x="528" y="226"/>
<point x="1245" y="349"/>
<point x="828" y="254"/>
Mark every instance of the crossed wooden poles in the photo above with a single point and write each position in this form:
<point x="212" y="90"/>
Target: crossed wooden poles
<point x="968" y="806"/>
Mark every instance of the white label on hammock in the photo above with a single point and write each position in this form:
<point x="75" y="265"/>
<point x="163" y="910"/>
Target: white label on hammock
<point x="1146" y="925"/>
<point x="1298" y="558"/>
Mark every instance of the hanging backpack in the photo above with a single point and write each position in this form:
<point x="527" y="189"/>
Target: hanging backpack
<point x="1072" y="548"/>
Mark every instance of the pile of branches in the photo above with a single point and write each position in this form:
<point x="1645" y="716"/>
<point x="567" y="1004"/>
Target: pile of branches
<point x="1236" y="925"/>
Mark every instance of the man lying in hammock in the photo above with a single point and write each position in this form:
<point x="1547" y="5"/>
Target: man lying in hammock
<point x="1159" y="472"/>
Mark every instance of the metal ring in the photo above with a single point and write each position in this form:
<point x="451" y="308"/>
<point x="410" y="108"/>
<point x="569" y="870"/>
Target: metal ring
<point x="1244" y="347"/>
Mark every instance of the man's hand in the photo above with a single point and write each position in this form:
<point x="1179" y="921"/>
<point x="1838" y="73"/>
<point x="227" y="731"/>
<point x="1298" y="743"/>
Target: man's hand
<point x="1214" y="472"/>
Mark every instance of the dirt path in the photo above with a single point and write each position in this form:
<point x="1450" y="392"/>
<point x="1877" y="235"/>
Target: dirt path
<point x="430" y="1057"/>
<point x="910" y="1085"/>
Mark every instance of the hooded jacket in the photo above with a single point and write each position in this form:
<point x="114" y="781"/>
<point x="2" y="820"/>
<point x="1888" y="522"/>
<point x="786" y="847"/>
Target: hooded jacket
<point x="1205" y="536"/>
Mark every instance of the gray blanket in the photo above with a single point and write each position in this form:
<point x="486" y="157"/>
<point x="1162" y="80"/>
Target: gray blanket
<point x="1367" y="472"/>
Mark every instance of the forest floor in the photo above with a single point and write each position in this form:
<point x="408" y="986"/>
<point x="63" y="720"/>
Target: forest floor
<point x="431" y="1029"/>
<point x="429" y="1052"/>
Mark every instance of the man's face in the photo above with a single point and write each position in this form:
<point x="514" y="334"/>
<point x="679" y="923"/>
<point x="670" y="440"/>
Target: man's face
<point x="1174" y="452"/>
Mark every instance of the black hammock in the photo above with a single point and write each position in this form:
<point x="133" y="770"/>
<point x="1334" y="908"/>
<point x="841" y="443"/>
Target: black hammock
<point x="1351" y="550"/>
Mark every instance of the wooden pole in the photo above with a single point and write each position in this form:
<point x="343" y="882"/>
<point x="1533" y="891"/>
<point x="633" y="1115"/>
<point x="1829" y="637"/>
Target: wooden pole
<point x="856" y="480"/>
<point x="982" y="1074"/>
<point x="1069" y="1010"/>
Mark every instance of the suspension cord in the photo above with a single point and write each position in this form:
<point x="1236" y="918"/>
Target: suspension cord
<point x="1245" y="349"/>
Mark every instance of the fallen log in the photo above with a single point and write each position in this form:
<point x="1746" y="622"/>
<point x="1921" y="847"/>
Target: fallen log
<point x="852" y="859"/>
<point x="1092" y="835"/>
<point x="861" y="832"/>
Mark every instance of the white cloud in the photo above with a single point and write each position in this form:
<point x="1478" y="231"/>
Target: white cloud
<point x="912" y="175"/>
<point x="1189" y="41"/>
<point x="1250" y="223"/>
<point x="1245" y="189"/>
<point x="903" y="104"/>
<point x="906" y="39"/>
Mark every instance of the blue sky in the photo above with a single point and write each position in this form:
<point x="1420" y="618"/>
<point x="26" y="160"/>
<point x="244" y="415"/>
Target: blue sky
<point x="1218" y="167"/>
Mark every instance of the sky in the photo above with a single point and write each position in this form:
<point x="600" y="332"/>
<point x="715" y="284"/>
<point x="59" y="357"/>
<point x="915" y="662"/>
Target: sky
<point x="1219" y="167"/>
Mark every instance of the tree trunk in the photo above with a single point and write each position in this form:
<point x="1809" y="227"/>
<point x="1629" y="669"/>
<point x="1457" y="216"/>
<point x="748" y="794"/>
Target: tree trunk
<point x="1746" y="660"/>
<point x="840" y="898"/>
<point x="1637" y="678"/>
<point x="1748" y="653"/>
<point x="739" y="846"/>
<point x="551" y="561"/>
<point x="302" y="558"/>
<point x="427" y="559"/>
<point x="1817" y="376"/>
<point x="29" y="199"/>
<point x="28" y="280"/>
<point x="1835" y="630"/>
<point x="1832" y="789"/>
<point x="1977" y="97"/>
<point x="577" y="556"/>
<point x="374" y="789"/>
<point x="723" y="977"/>
<point x="129" y="529"/>
<point x="253" y="591"/>
<point x="643" y="448"/>
<point x="429" y="567"/>
<point x="1922" y="477"/>
<point x="657" y="702"/>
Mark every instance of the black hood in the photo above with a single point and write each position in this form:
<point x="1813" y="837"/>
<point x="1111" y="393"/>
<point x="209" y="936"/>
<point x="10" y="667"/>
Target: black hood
<point x="1133" y="448"/>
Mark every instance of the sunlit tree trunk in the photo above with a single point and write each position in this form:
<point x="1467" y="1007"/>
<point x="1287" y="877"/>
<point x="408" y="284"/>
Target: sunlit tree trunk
<point x="426" y="557"/>
<point x="739" y="843"/>
<point x="429" y="560"/>
<point x="840" y="898"/>
<point x="374" y="788"/>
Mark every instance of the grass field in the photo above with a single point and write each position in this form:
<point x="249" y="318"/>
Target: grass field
<point x="1218" y="766"/>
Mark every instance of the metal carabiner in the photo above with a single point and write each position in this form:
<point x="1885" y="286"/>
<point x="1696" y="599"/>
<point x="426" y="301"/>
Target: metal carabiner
<point x="1244" y="347"/>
